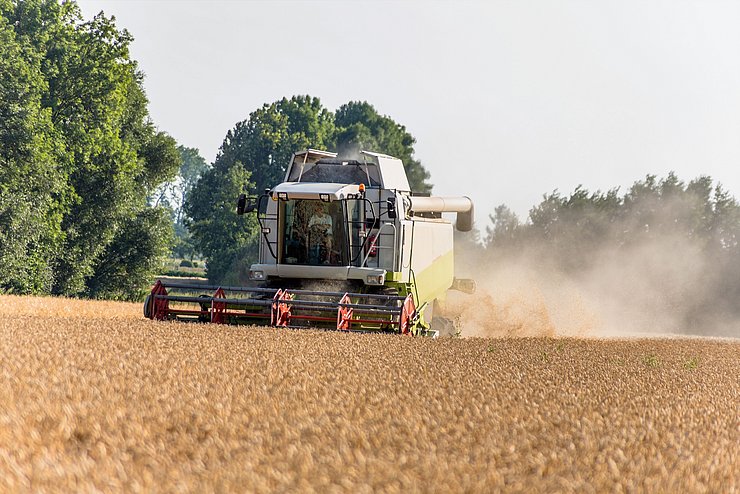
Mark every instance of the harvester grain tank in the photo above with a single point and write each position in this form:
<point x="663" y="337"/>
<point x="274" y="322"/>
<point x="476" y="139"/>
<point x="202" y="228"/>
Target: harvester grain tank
<point x="343" y="245"/>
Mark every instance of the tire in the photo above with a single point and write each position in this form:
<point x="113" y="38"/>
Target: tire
<point x="147" y="310"/>
<point x="205" y="305"/>
<point x="445" y="327"/>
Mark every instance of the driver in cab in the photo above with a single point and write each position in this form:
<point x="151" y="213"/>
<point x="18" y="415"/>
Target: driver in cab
<point x="320" y="226"/>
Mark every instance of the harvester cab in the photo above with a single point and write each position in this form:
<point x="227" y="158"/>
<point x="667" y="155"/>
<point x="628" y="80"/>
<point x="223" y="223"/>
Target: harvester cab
<point x="343" y="245"/>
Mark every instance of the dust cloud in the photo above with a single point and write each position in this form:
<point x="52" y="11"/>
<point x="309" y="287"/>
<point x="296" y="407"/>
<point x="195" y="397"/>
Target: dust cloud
<point x="664" y="285"/>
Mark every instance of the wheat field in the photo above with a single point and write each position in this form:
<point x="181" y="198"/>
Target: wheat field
<point x="95" y="398"/>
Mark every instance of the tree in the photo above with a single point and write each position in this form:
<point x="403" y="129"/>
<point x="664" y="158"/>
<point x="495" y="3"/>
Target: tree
<point x="504" y="228"/>
<point x="95" y="150"/>
<point x="32" y="187"/>
<point x="264" y="143"/>
<point x="360" y="126"/>
<point x="674" y="245"/>
<point x="173" y="195"/>
<point x="225" y="238"/>
<point x="134" y="254"/>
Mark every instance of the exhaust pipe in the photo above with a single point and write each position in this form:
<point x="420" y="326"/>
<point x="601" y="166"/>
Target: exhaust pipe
<point x="463" y="206"/>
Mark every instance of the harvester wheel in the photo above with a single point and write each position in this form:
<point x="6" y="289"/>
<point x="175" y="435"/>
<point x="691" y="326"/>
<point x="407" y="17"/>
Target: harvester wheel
<point x="148" y="306"/>
<point x="205" y="306"/>
<point x="445" y="327"/>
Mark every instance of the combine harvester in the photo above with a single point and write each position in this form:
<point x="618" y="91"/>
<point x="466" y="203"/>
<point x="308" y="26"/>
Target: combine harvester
<point x="344" y="245"/>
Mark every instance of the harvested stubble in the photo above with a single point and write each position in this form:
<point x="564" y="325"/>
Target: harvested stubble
<point x="91" y="400"/>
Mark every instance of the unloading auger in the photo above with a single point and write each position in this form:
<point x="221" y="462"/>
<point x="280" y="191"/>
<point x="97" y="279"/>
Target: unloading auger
<point x="344" y="245"/>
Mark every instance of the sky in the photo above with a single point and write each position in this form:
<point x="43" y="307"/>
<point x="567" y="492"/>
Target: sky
<point x="507" y="100"/>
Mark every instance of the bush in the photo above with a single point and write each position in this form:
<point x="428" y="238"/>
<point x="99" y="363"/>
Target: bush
<point x="186" y="264"/>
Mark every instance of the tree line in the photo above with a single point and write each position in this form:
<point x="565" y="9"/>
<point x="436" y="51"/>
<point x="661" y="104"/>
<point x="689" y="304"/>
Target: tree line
<point x="79" y="156"/>
<point x="667" y="247"/>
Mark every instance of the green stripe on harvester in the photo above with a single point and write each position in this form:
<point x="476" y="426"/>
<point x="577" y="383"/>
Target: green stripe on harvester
<point x="394" y="276"/>
<point x="436" y="279"/>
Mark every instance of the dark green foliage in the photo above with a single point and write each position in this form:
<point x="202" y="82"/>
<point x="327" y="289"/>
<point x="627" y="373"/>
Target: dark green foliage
<point x="266" y="141"/>
<point x="80" y="155"/>
<point x="31" y="182"/>
<point x="125" y="269"/>
<point x="359" y="126"/>
<point x="263" y="145"/>
<point x="227" y="240"/>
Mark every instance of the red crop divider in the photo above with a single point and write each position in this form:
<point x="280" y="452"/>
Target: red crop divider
<point x="408" y="313"/>
<point x="273" y="311"/>
<point x="280" y="308"/>
<point x="344" y="314"/>
<point x="161" y="306"/>
<point x="218" y="308"/>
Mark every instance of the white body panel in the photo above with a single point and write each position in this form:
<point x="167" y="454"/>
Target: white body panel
<point x="311" y="190"/>
<point x="392" y="172"/>
<point x="432" y="240"/>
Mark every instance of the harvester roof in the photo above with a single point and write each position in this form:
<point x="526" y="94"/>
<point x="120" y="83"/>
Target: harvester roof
<point x="317" y="191"/>
<point x="372" y="169"/>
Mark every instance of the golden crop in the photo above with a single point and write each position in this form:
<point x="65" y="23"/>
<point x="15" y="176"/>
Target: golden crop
<point x="95" y="398"/>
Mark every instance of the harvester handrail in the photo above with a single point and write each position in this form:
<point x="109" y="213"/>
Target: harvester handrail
<point x="316" y="305"/>
<point x="267" y="217"/>
<point x="243" y="289"/>
<point x="377" y="239"/>
<point x="194" y="286"/>
<point x="304" y="304"/>
<point x="231" y="301"/>
<point x="353" y="295"/>
<point x="298" y="303"/>
<point x="377" y="296"/>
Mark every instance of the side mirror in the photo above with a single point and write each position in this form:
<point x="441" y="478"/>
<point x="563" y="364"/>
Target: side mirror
<point x="241" y="204"/>
<point x="391" y="208"/>
<point x="246" y="204"/>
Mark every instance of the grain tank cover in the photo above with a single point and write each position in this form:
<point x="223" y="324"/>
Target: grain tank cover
<point x="392" y="172"/>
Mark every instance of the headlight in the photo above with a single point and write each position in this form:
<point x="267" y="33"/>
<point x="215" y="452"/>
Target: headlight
<point x="375" y="279"/>
<point x="256" y="275"/>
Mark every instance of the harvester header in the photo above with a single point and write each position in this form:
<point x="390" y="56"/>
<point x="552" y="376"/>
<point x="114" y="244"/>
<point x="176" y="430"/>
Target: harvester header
<point x="344" y="245"/>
